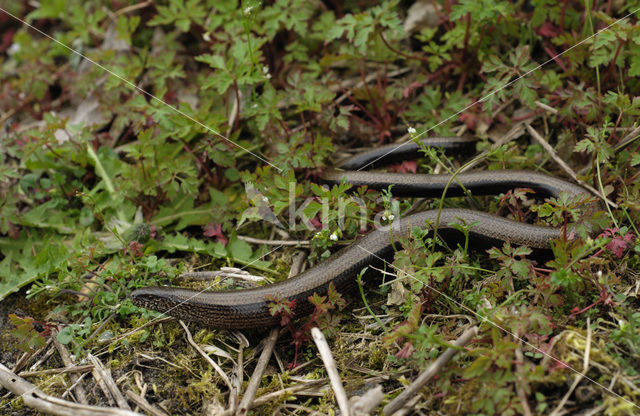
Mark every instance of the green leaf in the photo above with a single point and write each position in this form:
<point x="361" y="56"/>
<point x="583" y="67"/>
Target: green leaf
<point x="478" y="367"/>
<point x="239" y="249"/>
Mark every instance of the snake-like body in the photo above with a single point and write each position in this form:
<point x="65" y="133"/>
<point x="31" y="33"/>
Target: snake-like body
<point x="249" y="308"/>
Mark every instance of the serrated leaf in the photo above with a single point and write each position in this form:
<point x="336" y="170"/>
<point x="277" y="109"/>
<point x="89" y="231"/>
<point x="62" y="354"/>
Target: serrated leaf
<point x="239" y="249"/>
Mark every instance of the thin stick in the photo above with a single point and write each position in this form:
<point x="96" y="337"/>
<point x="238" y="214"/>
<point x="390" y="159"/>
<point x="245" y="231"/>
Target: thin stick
<point x="368" y="402"/>
<point x="53" y="371"/>
<point x="564" y="166"/>
<point x="433" y="369"/>
<point x="269" y="344"/>
<point x="627" y="139"/>
<point x="238" y="371"/>
<point x="546" y="107"/>
<point x="275" y="242"/>
<point x="206" y="356"/>
<point x="230" y="272"/>
<point x="300" y="389"/>
<point x="521" y="383"/>
<point x="332" y="370"/>
<point x="34" y="398"/>
<point x="256" y="377"/>
<point x="102" y="374"/>
<point x="81" y="395"/>
<point x="132" y="8"/>
<point x="144" y="404"/>
<point x="407" y="407"/>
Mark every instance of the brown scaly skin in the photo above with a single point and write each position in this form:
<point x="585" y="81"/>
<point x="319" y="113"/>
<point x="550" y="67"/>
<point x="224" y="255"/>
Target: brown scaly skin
<point x="248" y="308"/>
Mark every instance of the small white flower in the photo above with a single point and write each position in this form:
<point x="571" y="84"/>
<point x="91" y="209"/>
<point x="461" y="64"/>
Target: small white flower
<point x="13" y="48"/>
<point x="248" y="9"/>
<point x="61" y="136"/>
<point x="411" y="130"/>
<point x="206" y="37"/>
<point x="333" y="236"/>
<point x="390" y="217"/>
<point x="265" y="69"/>
<point x="265" y="199"/>
<point x="268" y="76"/>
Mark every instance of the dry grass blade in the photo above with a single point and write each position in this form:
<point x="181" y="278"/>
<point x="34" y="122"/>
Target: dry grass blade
<point x="580" y="376"/>
<point x="103" y="377"/>
<point x="534" y="133"/>
<point x="81" y="395"/>
<point x="332" y="371"/>
<point x="34" y="398"/>
<point x="144" y="404"/>
<point x="254" y="383"/>
<point x="204" y="355"/>
<point x="433" y="369"/>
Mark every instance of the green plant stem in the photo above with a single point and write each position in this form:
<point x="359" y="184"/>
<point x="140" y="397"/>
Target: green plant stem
<point x="591" y="32"/>
<point x="366" y="304"/>
<point x="602" y="191"/>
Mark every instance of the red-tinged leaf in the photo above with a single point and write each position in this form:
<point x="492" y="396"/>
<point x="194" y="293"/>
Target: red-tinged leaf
<point x="335" y="298"/>
<point x="135" y="248"/>
<point x="470" y="119"/>
<point x="406" y="351"/>
<point x="29" y="339"/>
<point x="315" y="221"/>
<point x="619" y="243"/>
<point x="408" y="166"/>
<point x="412" y="87"/>
<point x="548" y="30"/>
<point x="215" y="230"/>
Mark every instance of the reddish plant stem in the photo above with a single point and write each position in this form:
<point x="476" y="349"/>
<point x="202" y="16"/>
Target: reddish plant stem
<point x="613" y="62"/>
<point x="199" y="160"/>
<point x="466" y="36"/>
<point x="374" y="105"/>
<point x="562" y="13"/>
<point x="554" y="55"/>
<point x="360" y="106"/>
<point x="394" y="50"/>
<point x="613" y="131"/>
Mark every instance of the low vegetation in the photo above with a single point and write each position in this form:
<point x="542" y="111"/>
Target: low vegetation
<point x="105" y="189"/>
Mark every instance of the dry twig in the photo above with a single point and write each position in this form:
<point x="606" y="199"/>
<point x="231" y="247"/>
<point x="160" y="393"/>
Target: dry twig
<point x="433" y="369"/>
<point x="144" y="404"/>
<point x="248" y="239"/>
<point x="256" y="377"/>
<point x="204" y="355"/>
<point x="534" y="133"/>
<point x="368" y="402"/>
<point x="103" y="377"/>
<point x="34" y="398"/>
<point x="332" y="371"/>
<point x="53" y="371"/>
<point x="81" y="395"/>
